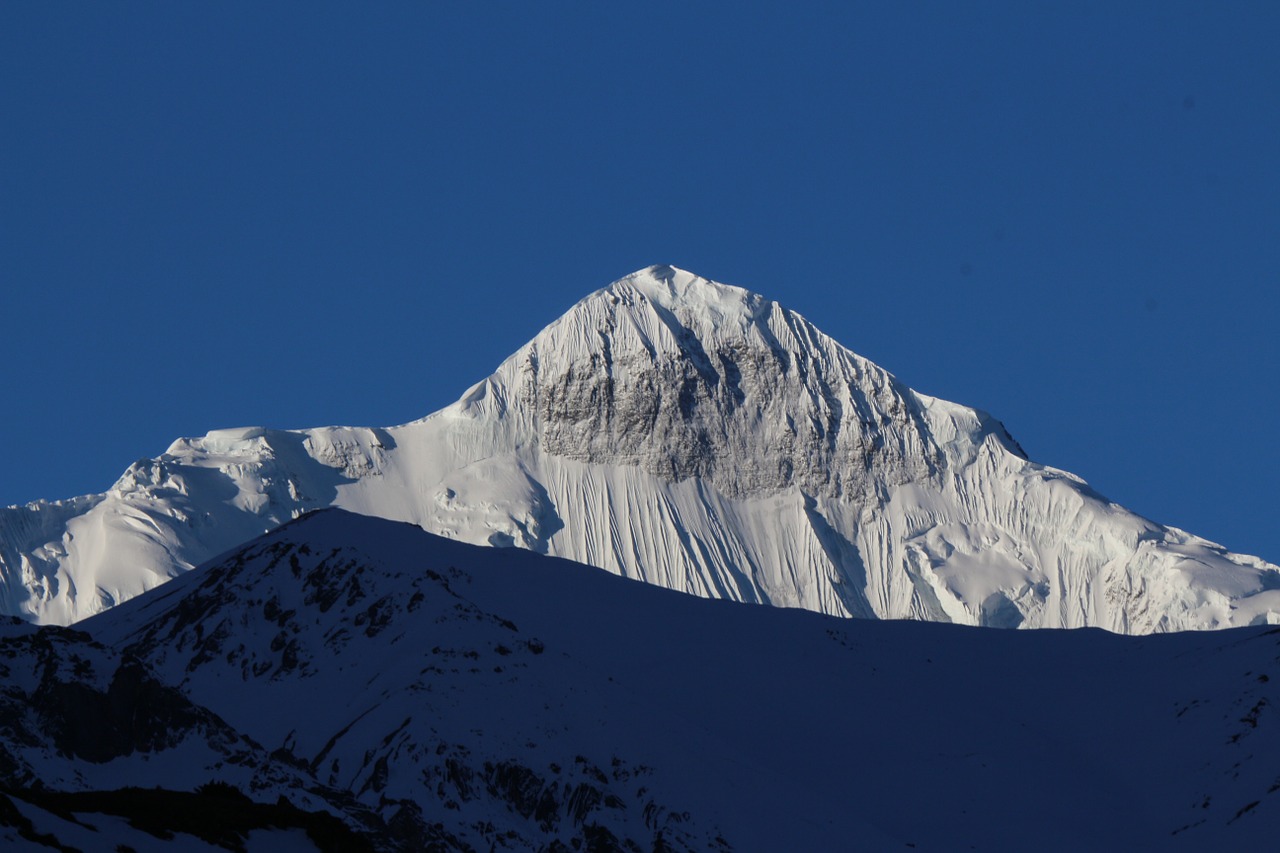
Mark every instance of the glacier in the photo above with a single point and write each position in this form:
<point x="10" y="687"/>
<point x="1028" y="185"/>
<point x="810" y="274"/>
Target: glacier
<point x="685" y="433"/>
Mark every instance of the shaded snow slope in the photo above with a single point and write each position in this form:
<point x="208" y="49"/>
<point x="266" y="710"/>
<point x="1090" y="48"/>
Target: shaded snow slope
<point x="430" y="692"/>
<point x="692" y="435"/>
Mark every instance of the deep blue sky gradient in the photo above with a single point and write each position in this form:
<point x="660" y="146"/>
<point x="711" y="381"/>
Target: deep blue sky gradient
<point x="291" y="215"/>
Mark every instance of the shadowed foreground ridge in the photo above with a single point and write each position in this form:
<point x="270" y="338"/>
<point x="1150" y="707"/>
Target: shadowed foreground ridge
<point x="431" y="694"/>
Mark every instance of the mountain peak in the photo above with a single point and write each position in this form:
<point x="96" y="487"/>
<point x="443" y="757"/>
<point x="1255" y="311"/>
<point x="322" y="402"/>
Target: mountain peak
<point x="690" y="434"/>
<point x="664" y="274"/>
<point x="662" y="311"/>
<point x="670" y="286"/>
<point x="695" y="303"/>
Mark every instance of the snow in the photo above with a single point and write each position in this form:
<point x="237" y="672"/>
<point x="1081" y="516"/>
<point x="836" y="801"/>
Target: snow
<point x="688" y="434"/>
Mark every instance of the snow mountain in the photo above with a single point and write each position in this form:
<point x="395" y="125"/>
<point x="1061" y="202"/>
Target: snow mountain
<point x="691" y="435"/>
<point x="351" y="683"/>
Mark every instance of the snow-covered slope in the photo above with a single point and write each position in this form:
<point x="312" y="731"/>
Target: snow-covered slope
<point x="692" y="435"/>
<point x="438" y="695"/>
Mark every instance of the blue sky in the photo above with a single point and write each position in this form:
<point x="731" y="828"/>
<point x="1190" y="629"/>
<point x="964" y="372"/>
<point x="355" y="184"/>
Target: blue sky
<point x="1067" y="214"/>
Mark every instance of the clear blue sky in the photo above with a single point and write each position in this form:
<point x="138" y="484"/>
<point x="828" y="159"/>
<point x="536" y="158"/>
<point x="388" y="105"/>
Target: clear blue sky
<point x="1067" y="214"/>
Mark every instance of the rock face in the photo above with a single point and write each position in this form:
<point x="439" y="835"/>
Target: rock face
<point x="692" y="435"/>
<point x="685" y="379"/>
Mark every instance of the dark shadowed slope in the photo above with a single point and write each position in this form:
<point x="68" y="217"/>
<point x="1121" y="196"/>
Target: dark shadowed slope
<point x="430" y="692"/>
